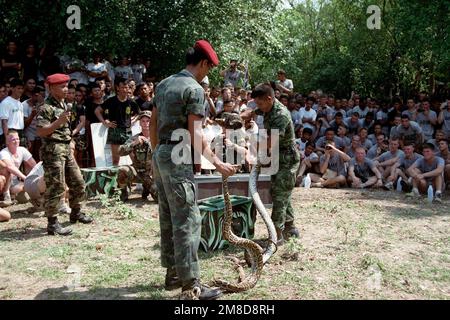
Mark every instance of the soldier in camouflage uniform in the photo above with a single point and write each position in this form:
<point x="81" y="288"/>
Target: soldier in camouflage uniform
<point x="179" y="102"/>
<point x="276" y="116"/>
<point x="53" y="126"/>
<point x="140" y="150"/>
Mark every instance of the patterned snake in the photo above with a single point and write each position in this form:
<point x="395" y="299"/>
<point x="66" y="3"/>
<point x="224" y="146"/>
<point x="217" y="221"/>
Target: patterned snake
<point x="256" y="255"/>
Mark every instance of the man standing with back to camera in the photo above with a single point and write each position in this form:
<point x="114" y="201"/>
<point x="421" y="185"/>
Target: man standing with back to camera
<point x="178" y="103"/>
<point x="60" y="167"/>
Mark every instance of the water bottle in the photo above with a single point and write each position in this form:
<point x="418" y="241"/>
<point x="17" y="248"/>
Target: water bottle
<point x="307" y="181"/>
<point x="399" y="184"/>
<point x="430" y="194"/>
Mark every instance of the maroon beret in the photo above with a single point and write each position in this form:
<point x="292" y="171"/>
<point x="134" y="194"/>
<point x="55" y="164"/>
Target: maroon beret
<point x="207" y="49"/>
<point x="57" y="78"/>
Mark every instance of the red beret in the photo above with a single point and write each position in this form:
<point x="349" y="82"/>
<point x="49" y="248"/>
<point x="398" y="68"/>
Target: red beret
<point x="207" y="49"/>
<point x="57" y="78"/>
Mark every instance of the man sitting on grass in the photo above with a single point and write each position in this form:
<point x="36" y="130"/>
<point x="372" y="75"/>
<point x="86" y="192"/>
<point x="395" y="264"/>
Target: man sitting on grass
<point x="309" y="161"/>
<point x="403" y="164"/>
<point x="428" y="171"/>
<point x="386" y="163"/>
<point x="332" y="168"/>
<point x="362" y="172"/>
<point x="444" y="153"/>
<point x="13" y="156"/>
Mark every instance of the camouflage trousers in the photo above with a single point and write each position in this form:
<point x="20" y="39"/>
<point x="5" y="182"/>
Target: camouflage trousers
<point x="179" y="215"/>
<point x="282" y="185"/>
<point x="80" y="142"/>
<point x="60" y="168"/>
<point x="148" y="183"/>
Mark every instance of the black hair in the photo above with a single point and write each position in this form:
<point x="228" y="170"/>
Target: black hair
<point x="405" y="116"/>
<point x="263" y="90"/>
<point x="307" y="130"/>
<point x="16" y="82"/>
<point x="310" y="143"/>
<point x="409" y="143"/>
<point x="94" y="85"/>
<point x="38" y="89"/>
<point x="338" y="114"/>
<point x="193" y="57"/>
<point x="428" y="146"/>
<point x="119" y="80"/>
<point x="329" y="129"/>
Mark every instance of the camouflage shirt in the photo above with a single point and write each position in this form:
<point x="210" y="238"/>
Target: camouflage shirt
<point x="279" y="118"/>
<point x="50" y="112"/>
<point x="141" y="154"/>
<point x="176" y="97"/>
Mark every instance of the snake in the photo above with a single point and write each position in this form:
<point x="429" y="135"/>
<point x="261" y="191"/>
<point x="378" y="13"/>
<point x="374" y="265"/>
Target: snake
<point x="253" y="249"/>
<point x="256" y="256"/>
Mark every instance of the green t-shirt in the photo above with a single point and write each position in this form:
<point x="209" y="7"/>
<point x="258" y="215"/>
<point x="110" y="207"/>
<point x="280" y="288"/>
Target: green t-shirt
<point x="176" y="97"/>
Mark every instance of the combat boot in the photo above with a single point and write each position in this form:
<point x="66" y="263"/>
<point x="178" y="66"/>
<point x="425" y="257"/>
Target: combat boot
<point x="145" y="193"/>
<point x="76" y="215"/>
<point x="290" y="230"/>
<point x="53" y="227"/>
<point x="154" y="195"/>
<point x="280" y="238"/>
<point x="172" y="281"/>
<point x="197" y="291"/>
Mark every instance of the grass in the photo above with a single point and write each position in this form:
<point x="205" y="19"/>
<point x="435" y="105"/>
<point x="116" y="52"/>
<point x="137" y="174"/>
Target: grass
<point x="353" y="245"/>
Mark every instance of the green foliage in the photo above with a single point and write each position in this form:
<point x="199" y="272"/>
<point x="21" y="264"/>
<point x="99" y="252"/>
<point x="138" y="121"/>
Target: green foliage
<point x="320" y="43"/>
<point x="116" y="206"/>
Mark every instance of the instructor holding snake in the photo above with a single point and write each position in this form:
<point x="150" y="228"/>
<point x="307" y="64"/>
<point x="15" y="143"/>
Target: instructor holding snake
<point x="179" y="103"/>
<point x="276" y="116"/>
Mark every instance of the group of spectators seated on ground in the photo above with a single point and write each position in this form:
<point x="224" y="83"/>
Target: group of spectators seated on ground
<point x="353" y="141"/>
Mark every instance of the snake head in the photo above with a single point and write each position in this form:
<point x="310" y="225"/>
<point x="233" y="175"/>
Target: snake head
<point x="229" y="120"/>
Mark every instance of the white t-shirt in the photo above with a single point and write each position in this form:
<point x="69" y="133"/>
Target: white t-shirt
<point x="259" y="119"/>
<point x="233" y="77"/>
<point x="138" y="72"/>
<point x="308" y="114"/>
<point x="425" y="123"/>
<point x="288" y="84"/>
<point x="22" y="154"/>
<point x="80" y="76"/>
<point x="123" y="72"/>
<point x="12" y="110"/>
<point x="98" y="68"/>
<point x="110" y="69"/>
<point x="300" y="144"/>
<point x="30" y="131"/>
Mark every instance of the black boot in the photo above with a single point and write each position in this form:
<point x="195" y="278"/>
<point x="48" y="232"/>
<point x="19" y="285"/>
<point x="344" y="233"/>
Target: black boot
<point x="290" y="230"/>
<point x="76" y="215"/>
<point x="154" y="195"/>
<point x="280" y="238"/>
<point x="124" y="194"/>
<point x="53" y="227"/>
<point x="172" y="281"/>
<point x="145" y="193"/>
<point x="197" y="291"/>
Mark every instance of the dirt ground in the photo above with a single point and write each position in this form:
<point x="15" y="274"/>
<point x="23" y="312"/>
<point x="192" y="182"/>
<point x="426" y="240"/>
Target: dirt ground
<point x="353" y="245"/>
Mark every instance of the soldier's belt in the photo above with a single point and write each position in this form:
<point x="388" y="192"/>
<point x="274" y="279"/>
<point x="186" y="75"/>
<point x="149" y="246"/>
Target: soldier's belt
<point x="56" y="141"/>
<point x="290" y="148"/>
